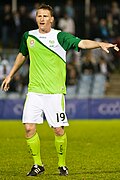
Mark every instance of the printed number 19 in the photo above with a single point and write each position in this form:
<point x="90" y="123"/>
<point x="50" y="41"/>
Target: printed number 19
<point x="60" y="116"/>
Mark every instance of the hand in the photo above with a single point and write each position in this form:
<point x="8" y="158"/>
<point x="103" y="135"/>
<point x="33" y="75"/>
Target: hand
<point x="106" y="46"/>
<point x="5" y="84"/>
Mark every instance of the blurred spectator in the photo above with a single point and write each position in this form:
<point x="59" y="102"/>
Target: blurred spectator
<point x="88" y="63"/>
<point x="103" y="67"/>
<point x="67" y="24"/>
<point x="112" y="28"/>
<point x="103" y="30"/>
<point x="27" y="23"/>
<point x="115" y="10"/>
<point x="73" y="56"/>
<point x="57" y="15"/>
<point x="33" y="11"/>
<point x="69" y="9"/>
<point x="72" y="75"/>
<point x="17" y="30"/>
<point x="7" y="27"/>
<point x="71" y="80"/>
<point x="93" y="22"/>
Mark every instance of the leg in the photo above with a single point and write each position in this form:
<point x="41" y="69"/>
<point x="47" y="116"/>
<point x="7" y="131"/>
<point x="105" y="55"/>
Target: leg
<point x="54" y="111"/>
<point x="33" y="142"/>
<point x="32" y="115"/>
<point x="61" y="145"/>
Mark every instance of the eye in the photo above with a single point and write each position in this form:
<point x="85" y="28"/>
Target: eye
<point x="45" y="16"/>
<point x="39" y="16"/>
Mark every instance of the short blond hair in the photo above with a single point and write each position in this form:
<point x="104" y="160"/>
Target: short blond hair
<point x="46" y="7"/>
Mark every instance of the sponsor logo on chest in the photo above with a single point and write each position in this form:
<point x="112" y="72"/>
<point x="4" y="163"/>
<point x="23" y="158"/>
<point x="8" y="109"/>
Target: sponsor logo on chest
<point x="51" y="43"/>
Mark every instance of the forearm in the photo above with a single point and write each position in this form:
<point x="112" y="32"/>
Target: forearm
<point x="20" y="59"/>
<point x="88" y="44"/>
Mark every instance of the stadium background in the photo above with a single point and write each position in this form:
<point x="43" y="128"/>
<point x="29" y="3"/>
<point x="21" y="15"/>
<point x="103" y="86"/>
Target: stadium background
<point x="93" y="86"/>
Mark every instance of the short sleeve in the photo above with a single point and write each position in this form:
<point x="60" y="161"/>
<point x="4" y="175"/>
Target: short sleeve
<point x="23" y="45"/>
<point x="68" y="41"/>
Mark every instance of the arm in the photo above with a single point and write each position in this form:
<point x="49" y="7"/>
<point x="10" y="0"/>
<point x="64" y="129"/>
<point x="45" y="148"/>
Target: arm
<point x="20" y="59"/>
<point x="89" y="44"/>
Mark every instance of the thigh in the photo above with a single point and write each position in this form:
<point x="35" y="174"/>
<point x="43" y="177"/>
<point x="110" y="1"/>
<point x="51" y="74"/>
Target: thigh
<point x="54" y="109"/>
<point x="32" y="112"/>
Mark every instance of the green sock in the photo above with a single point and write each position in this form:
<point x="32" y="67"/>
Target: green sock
<point x="34" y="146"/>
<point x="61" y="146"/>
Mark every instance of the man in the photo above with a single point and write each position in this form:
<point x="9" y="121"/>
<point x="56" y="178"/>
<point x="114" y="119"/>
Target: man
<point x="47" y="48"/>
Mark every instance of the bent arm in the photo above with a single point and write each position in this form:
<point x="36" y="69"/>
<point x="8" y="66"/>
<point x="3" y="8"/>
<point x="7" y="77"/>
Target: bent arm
<point x="89" y="44"/>
<point x="20" y="59"/>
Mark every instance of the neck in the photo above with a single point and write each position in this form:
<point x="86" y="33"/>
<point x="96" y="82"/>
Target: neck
<point x="43" y="31"/>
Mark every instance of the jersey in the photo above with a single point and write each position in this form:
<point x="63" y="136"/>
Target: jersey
<point x="47" y="54"/>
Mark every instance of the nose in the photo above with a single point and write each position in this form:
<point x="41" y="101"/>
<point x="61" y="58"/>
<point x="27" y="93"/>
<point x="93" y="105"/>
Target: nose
<point x="42" y="18"/>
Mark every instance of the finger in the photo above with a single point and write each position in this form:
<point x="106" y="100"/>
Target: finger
<point x="116" y="48"/>
<point x="112" y="45"/>
<point x="2" y="86"/>
<point x="107" y="51"/>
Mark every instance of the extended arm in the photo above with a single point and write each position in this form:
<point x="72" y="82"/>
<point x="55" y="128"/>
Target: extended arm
<point x="89" y="44"/>
<point x="20" y="59"/>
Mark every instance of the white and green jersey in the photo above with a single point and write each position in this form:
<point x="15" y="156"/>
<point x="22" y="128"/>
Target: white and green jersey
<point x="47" y="53"/>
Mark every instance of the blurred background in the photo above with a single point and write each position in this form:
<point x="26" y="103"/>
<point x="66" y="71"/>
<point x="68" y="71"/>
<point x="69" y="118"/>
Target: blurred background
<point x="93" y="85"/>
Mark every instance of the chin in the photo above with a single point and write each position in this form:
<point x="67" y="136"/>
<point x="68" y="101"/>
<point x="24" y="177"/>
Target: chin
<point x="42" y="28"/>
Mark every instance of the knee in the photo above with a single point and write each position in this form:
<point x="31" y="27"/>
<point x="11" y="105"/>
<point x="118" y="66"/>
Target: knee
<point x="30" y="130"/>
<point x="59" y="131"/>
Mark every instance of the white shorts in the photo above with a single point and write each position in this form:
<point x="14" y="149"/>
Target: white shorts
<point x="50" y="105"/>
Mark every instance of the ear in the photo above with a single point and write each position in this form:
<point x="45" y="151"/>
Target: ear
<point x="52" y="19"/>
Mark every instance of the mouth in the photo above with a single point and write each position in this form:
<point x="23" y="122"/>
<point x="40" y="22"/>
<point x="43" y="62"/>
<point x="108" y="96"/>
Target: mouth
<point x="42" y="23"/>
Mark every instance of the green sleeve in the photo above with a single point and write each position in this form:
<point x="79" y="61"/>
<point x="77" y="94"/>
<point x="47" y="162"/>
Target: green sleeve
<point x="68" y="41"/>
<point x="23" y="45"/>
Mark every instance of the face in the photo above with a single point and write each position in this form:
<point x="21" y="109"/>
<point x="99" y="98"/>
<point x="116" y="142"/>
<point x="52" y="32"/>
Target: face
<point x="44" y="20"/>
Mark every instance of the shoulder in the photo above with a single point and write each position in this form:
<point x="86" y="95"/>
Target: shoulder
<point x="66" y="35"/>
<point x="55" y="31"/>
<point x="33" y="32"/>
<point x="30" y="33"/>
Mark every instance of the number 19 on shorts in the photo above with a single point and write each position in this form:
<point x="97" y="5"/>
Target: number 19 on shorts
<point x="60" y="117"/>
